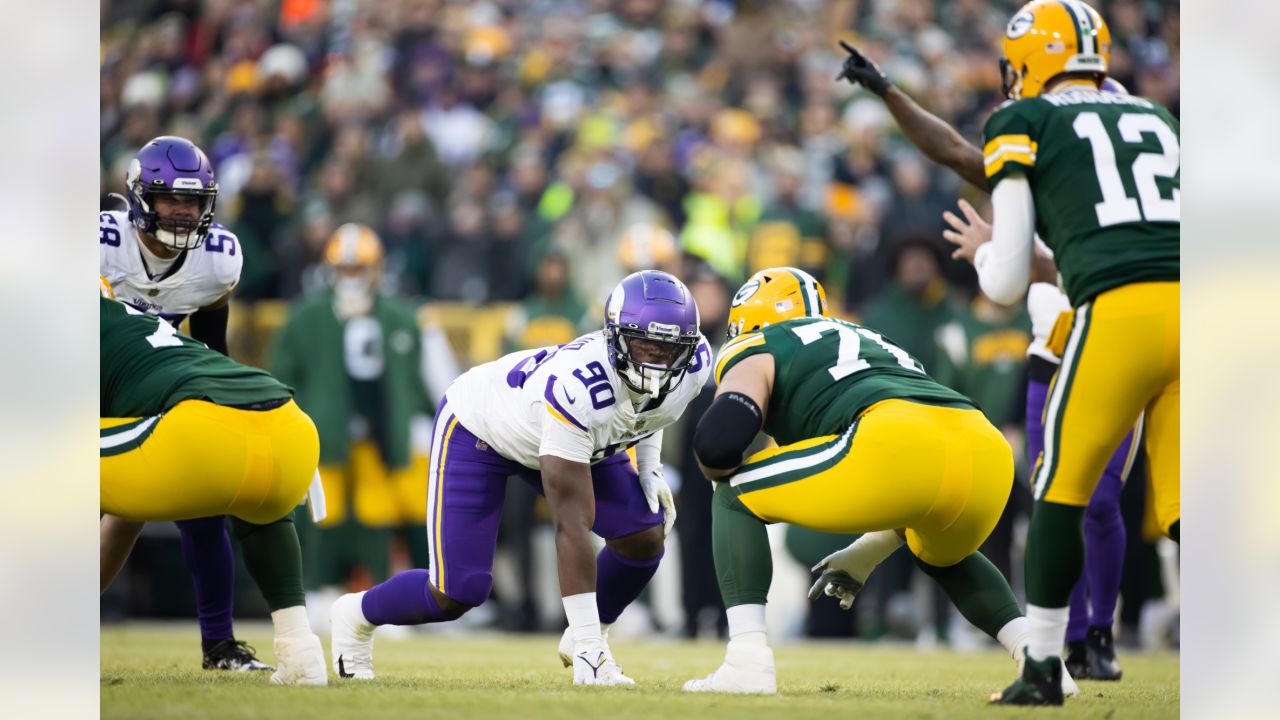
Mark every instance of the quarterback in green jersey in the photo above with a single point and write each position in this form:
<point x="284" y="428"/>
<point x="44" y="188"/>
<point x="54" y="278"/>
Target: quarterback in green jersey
<point x="867" y="443"/>
<point x="1096" y="174"/>
<point x="172" y="407"/>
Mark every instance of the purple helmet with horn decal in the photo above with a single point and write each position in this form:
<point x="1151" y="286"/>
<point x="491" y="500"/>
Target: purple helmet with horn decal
<point x="175" y="167"/>
<point x="651" y="328"/>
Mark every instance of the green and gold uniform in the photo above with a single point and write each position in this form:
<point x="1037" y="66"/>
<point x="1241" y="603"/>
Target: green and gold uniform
<point x="1104" y="172"/>
<point x="187" y="432"/>
<point x="867" y="441"/>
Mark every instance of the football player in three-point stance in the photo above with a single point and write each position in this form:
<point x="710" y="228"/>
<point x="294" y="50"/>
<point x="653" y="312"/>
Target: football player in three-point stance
<point x="187" y="432"/>
<point x="561" y="419"/>
<point x="868" y="443"/>
<point x="1092" y="649"/>
<point x="166" y="256"/>
<point x="1097" y="174"/>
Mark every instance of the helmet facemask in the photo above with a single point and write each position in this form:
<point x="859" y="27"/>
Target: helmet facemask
<point x="178" y="233"/>
<point x="652" y="362"/>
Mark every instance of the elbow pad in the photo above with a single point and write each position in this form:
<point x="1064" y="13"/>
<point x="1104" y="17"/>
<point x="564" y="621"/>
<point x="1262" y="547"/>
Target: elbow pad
<point x="726" y="430"/>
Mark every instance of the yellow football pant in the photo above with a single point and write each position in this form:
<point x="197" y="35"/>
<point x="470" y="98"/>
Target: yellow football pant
<point x="201" y="459"/>
<point x="379" y="498"/>
<point x="1122" y="358"/>
<point x="942" y="473"/>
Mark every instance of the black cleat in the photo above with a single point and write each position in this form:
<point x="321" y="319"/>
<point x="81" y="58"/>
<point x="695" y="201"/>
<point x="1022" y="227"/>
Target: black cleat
<point x="1102" y="655"/>
<point x="1040" y="684"/>
<point x="232" y="654"/>
<point x="1078" y="660"/>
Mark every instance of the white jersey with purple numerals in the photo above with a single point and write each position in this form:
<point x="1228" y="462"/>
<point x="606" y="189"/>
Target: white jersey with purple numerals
<point x="207" y="273"/>
<point x="565" y="401"/>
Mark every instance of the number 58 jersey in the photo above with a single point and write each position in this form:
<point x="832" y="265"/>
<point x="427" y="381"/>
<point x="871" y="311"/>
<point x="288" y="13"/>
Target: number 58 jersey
<point x="566" y="401"/>
<point x="203" y="275"/>
<point x="1105" y="174"/>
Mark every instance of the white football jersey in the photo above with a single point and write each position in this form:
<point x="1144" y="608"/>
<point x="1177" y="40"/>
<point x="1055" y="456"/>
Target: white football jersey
<point x="207" y="273"/>
<point x="566" y="401"/>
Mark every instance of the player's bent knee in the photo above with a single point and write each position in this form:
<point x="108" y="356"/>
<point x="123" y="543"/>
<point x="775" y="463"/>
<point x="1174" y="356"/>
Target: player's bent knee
<point x="451" y="609"/>
<point x="644" y="545"/>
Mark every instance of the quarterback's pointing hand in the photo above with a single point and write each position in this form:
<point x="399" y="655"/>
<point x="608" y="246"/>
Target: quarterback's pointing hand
<point x="967" y="233"/>
<point x="860" y="70"/>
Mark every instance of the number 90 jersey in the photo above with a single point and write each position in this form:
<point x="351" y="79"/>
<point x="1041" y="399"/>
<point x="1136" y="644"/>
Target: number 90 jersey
<point x="565" y="401"/>
<point x="1105" y="175"/>
<point x="206" y="273"/>
<point x="827" y="371"/>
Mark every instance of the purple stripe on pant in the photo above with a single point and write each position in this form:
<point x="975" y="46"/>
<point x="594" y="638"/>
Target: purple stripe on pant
<point x="1093" y="602"/>
<point x="471" y="487"/>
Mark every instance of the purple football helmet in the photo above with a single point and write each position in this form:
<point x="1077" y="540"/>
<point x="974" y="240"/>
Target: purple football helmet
<point x="172" y="166"/>
<point x="651" y="329"/>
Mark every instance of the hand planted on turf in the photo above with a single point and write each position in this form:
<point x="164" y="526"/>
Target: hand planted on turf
<point x="861" y="70"/>
<point x="836" y="580"/>
<point x="968" y="233"/>
<point x="658" y="494"/>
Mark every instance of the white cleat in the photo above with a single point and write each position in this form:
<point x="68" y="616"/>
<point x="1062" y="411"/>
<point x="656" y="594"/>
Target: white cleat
<point x="566" y="645"/>
<point x="351" y="639"/>
<point x="746" y="670"/>
<point x="299" y="661"/>
<point x="595" y="666"/>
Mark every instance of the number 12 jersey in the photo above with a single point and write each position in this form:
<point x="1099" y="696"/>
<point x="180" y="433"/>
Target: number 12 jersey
<point x="1105" y="175"/>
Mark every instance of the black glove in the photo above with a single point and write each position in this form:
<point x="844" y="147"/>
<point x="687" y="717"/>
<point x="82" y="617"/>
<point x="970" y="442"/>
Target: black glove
<point x="860" y="70"/>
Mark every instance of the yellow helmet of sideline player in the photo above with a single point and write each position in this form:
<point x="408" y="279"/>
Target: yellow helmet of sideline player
<point x="1049" y="37"/>
<point x="354" y="255"/>
<point x="774" y="295"/>
<point x="353" y="245"/>
<point x="104" y="288"/>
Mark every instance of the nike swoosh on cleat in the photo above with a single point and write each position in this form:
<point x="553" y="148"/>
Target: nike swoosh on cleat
<point x="342" y="669"/>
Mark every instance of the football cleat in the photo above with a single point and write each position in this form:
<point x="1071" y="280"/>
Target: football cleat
<point x="746" y="670"/>
<point x="1040" y="684"/>
<point x="232" y="654"/>
<point x="351" y="639"/>
<point x="300" y="661"/>
<point x="593" y="665"/>
<point x="1077" y="660"/>
<point x="1101" y="653"/>
<point x="566" y="645"/>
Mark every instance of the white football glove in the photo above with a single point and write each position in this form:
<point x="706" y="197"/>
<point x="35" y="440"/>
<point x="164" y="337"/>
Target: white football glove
<point x="837" y="579"/>
<point x="658" y="493"/>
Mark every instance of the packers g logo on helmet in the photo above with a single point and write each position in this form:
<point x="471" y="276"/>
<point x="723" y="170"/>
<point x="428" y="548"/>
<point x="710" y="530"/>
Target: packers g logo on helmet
<point x="774" y="295"/>
<point x="1049" y="37"/>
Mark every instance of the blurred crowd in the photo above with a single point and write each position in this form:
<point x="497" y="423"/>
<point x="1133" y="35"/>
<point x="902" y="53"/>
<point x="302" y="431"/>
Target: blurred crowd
<point x="533" y="152"/>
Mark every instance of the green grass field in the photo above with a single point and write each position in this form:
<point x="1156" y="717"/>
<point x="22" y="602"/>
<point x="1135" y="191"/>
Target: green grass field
<point x="153" y="671"/>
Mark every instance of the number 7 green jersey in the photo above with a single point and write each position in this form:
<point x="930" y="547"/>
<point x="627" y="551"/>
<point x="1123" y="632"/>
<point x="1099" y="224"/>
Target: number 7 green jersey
<point x="827" y="371"/>
<point x="1105" y="172"/>
<point x="148" y="367"/>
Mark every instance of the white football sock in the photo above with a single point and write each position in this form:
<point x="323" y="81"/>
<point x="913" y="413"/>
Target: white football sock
<point x="291" y="622"/>
<point x="870" y="550"/>
<point x="1014" y="636"/>
<point x="1048" y="631"/>
<point x="746" y="625"/>
<point x="584" y="618"/>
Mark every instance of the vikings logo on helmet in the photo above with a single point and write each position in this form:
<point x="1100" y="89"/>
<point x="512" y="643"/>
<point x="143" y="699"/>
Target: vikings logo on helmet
<point x="175" y="167"/>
